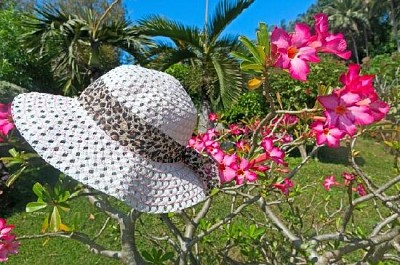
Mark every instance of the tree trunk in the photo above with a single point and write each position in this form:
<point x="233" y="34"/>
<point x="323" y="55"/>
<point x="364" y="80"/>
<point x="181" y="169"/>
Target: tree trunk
<point x="394" y="24"/>
<point x="130" y="254"/>
<point x="366" y="41"/>
<point x="205" y="109"/>
<point x="355" y="49"/>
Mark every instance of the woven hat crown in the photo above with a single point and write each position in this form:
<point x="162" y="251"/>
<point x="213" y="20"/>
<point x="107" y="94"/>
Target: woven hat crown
<point x="156" y="98"/>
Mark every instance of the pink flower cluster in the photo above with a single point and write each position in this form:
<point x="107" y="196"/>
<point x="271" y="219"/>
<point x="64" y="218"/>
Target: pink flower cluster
<point x="6" y="122"/>
<point x="349" y="179"/>
<point x="356" y="103"/>
<point x="294" y="50"/>
<point x="232" y="164"/>
<point x="8" y="245"/>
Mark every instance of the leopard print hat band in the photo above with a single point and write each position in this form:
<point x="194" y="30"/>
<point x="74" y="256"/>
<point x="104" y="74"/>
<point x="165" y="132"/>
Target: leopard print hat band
<point x="126" y="128"/>
<point x="125" y="136"/>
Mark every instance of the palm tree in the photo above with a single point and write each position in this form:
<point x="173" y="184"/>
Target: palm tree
<point x="82" y="47"/>
<point x="221" y="82"/>
<point x="348" y="16"/>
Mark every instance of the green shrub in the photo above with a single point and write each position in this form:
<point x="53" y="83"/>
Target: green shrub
<point x="250" y="104"/>
<point x="190" y="79"/>
<point x="9" y="90"/>
<point x="298" y="94"/>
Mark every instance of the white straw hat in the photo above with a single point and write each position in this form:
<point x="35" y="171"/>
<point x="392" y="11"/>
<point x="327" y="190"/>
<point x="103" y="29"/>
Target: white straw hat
<point x="126" y="135"/>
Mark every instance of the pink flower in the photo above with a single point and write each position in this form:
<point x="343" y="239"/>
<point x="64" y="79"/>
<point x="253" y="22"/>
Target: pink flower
<point x="242" y="145"/>
<point x="361" y="190"/>
<point x="5" y="229"/>
<point x="205" y="142"/>
<point x="287" y="138"/>
<point x="348" y="178"/>
<point x="226" y="166"/>
<point x="329" y="181"/>
<point x="343" y="112"/>
<point x="6" y="122"/>
<point x="361" y="85"/>
<point x="325" y="135"/>
<point x="292" y="50"/>
<point x="284" y="186"/>
<point x="213" y="117"/>
<point x="243" y="172"/>
<point x="271" y="152"/>
<point x="234" y="129"/>
<point x="378" y="109"/>
<point x="8" y="245"/>
<point x="325" y="41"/>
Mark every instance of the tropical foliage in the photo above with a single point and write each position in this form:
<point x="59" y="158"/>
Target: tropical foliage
<point x="204" y="48"/>
<point x="81" y="48"/>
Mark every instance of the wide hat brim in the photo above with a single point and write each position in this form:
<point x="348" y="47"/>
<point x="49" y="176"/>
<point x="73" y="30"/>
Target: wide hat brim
<point x="62" y="133"/>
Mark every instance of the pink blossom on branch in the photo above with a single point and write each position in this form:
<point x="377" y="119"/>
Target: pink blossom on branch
<point x="329" y="181"/>
<point x="355" y="104"/>
<point x="284" y="186"/>
<point x="343" y="112"/>
<point x="324" y="41"/>
<point x="348" y="178"/>
<point x="226" y="166"/>
<point x="325" y="135"/>
<point x="361" y="189"/>
<point x="243" y="172"/>
<point x="293" y="52"/>
<point x="6" y="122"/>
<point x="8" y="245"/>
<point x="271" y="152"/>
<point x="213" y="117"/>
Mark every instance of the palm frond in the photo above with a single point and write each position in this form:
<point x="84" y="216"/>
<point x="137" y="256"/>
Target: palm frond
<point x="229" y="79"/>
<point x="179" y="33"/>
<point x="225" y="13"/>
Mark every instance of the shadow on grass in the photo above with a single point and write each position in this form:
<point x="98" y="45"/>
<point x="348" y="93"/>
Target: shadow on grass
<point x="15" y="198"/>
<point x="337" y="156"/>
<point x="331" y="155"/>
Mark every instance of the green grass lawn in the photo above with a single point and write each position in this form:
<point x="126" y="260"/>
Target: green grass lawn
<point x="373" y="159"/>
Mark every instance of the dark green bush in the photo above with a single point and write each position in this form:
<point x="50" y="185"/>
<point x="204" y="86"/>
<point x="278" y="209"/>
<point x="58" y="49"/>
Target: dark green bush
<point x="190" y="79"/>
<point x="250" y="104"/>
<point x="297" y="94"/>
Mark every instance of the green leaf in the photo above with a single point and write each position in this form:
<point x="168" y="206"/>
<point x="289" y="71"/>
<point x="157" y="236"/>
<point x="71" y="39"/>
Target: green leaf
<point x="13" y="152"/>
<point x="241" y="56"/>
<point x="45" y="224"/>
<point x="55" y="220"/>
<point x="261" y="53"/>
<point x="64" y="206"/>
<point x="252" y="48"/>
<point x="35" y="206"/>
<point x="13" y="177"/>
<point x="246" y="66"/>
<point x="38" y="189"/>
<point x="167" y="256"/>
<point x="147" y="256"/>
<point x="64" y="196"/>
<point x="263" y="36"/>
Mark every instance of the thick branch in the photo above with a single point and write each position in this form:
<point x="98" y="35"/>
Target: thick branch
<point x="335" y="255"/>
<point x="106" y="208"/>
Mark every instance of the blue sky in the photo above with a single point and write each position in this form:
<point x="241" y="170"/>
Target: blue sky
<point x="191" y="12"/>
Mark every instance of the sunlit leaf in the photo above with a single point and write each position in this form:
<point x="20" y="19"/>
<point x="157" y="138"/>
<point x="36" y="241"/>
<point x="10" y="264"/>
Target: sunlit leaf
<point x="35" y="206"/>
<point x="38" y="189"/>
<point x="254" y="83"/>
<point x="55" y="220"/>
